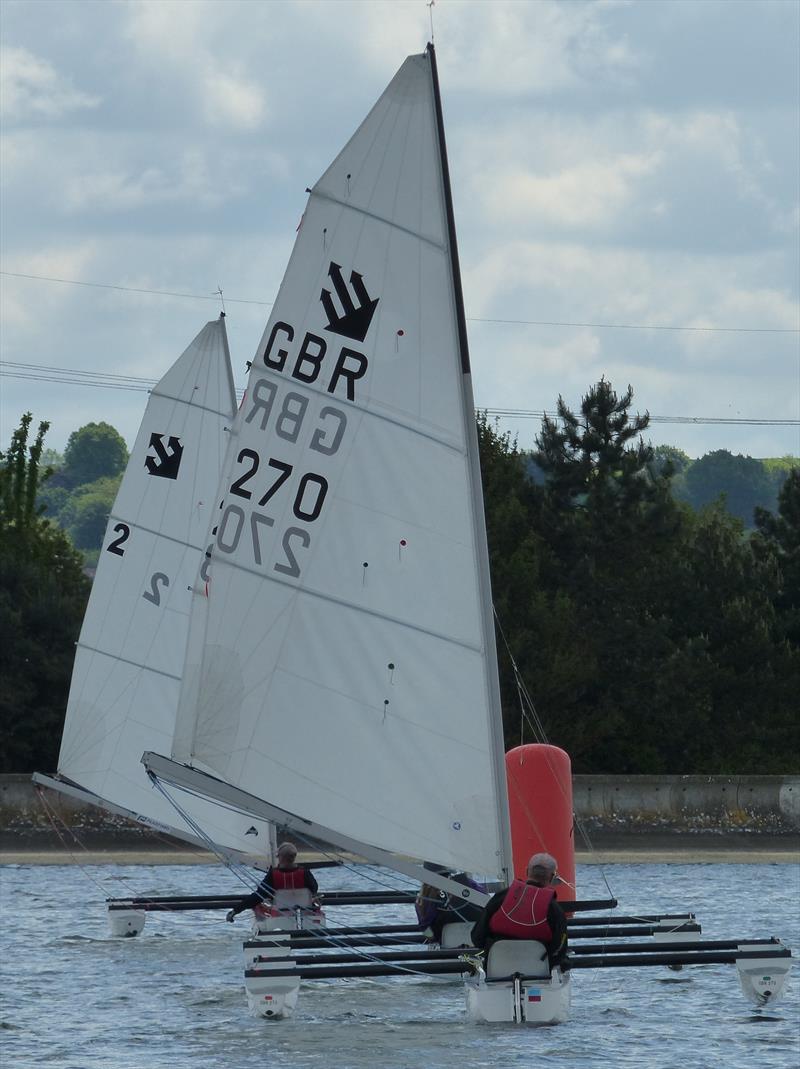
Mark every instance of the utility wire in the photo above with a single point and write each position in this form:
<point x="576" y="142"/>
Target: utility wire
<point x="107" y="380"/>
<point x="472" y="319"/>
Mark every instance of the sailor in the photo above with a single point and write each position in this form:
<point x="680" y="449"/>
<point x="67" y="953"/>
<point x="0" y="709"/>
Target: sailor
<point x="436" y="908"/>
<point x="527" y="910"/>
<point x="287" y="875"/>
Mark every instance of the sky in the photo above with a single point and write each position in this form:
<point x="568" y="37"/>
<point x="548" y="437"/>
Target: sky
<point x="625" y="180"/>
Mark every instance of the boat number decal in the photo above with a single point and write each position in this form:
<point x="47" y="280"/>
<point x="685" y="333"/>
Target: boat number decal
<point x="306" y="364"/>
<point x="167" y="460"/>
<point x="124" y="531"/>
<point x="273" y="483"/>
<point x="309" y="496"/>
<point x="290" y="418"/>
<point x="154" y="594"/>
<point x="308" y="499"/>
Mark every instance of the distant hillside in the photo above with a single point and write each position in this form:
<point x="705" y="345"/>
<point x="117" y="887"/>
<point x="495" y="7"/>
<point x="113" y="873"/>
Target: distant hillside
<point x="744" y="483"/>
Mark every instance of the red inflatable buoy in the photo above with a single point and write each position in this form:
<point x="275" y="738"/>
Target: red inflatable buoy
<point x="540" y="808"/>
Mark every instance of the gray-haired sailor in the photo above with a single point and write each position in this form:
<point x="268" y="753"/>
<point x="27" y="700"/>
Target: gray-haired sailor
<point x="527" y="910"/>
<point x="287" y="875"/>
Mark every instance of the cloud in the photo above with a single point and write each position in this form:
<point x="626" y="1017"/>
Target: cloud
<point x="541" y="48"/>
<point x="19" y="313"/>
<point x="31" y="88"/>
<point x="587" y="194"/>
<point x="640" y="176"/>
<point x="230" y="100"/>
<point x="184" y="42"/>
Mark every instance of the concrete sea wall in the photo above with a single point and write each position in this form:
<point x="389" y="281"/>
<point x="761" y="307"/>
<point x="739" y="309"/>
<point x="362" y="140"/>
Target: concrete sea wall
<point x="690" y="802"/>
<point x="611" y="811"/>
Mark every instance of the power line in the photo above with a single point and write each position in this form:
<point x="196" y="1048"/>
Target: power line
<point x="108" y="380"/>
<point x="135" y="289"/>
<point x="472" y="319"/>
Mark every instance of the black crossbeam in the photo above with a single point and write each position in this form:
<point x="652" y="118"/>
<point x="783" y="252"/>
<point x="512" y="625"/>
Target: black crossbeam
<point x="341" y="972"/>
<point x="717" y="957"/>
<point x="415" y="936"/>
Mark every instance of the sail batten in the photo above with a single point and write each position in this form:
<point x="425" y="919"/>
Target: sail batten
<point x="319" y="194"/>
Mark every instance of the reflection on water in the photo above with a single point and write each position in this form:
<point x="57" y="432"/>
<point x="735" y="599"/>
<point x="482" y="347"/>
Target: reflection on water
<point x="74" y="998"/>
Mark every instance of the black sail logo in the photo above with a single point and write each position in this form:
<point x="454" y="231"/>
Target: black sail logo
<point x="167" y="460"/>
<point x="358" y="307"/>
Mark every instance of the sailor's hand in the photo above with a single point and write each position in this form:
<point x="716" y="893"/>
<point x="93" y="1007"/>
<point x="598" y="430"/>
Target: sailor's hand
<point x="230" y="916"/>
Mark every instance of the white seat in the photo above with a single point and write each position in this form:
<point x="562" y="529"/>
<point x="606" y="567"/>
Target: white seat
<point x="524" y="956"/>
<point x="456" y="934"/>
<point x="290" y="898"/>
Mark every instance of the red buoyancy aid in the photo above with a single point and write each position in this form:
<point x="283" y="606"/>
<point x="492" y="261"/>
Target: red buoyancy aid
<point x="287" y="879"/>
<point x="523" y="914"/>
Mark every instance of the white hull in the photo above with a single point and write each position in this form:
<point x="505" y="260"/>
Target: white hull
<point x="124" y="923"/>
<point x="535" y="1002"/>
<point x="283" y="920"/>
<point x="274" y="998"/>
<point x="762" y="979"/>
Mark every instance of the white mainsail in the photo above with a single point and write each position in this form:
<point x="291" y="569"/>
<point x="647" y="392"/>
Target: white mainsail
<point x="129" y="660"/>
<point x="343" y="666"/>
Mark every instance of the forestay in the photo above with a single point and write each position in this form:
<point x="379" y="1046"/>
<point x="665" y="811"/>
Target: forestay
<point x="342" y="666"/>
<point x="129" y="660"/>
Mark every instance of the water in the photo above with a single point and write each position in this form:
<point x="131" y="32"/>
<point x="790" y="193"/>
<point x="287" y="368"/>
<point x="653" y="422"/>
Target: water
<point x="74" y="998"/>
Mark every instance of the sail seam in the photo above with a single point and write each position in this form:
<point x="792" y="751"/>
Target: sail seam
<point x="379" y="219"/>
<point x="191" y="404"/>
<point x="126" y="660"/>
<point x="355" y="607"/>
<point x="156" y="534"/>
<point x="364" y="410"/>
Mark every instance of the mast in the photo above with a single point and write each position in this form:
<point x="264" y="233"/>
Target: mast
<point x="478" y="516"/>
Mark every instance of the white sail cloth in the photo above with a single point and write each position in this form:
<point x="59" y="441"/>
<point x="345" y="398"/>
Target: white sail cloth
<point x="339" y="667"/>
<point x="129" y="661"/>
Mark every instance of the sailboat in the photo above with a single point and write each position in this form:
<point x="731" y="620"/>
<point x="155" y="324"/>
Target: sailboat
<point x="341" y="671"/>
<point x="129" y="659"/>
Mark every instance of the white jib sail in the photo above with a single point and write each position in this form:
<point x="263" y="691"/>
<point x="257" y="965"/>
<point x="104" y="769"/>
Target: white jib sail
<point x="340" y="667"/>
<point x="129" y="661"/>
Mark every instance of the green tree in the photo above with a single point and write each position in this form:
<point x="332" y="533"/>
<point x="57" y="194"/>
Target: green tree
<point x="669" y="460"/>
<point x="744" y="482"/>
<point x="42" y="599"/>
<point x="779" y="536"/>
<point x="612" y="529"/>
<point x="85" y="514"/>
<point x="93" y="452"/>
<point x="535" y="624"/>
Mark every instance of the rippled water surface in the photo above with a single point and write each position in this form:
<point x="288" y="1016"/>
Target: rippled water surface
<point x="74" y="998"/>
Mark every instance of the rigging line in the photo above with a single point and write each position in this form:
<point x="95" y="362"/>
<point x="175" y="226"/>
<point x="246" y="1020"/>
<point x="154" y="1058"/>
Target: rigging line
<point x="54" y="822"/>
<point x="236" y="868"/>
<point x="538" y="731"/>
<point x="472" y="319"/>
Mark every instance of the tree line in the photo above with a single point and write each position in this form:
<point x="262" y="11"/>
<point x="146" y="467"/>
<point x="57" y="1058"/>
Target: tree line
<point x="652" y="636"/>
